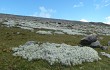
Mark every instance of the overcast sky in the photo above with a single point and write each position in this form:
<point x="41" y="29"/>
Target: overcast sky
<point x="84" y="10"/>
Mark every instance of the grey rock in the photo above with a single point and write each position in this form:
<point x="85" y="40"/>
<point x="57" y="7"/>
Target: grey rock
<point x="95" y="44"/>
<point x="91" y="38"/>
<point x="104" y="47"/>
<point x="105" y="54"/>
<point x="86" y="41"/>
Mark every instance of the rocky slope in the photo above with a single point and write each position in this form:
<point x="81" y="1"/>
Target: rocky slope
<point x="64" y="26"/>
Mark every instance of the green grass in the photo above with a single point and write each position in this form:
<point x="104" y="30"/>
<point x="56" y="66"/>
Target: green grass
<point x="9" y="39"/>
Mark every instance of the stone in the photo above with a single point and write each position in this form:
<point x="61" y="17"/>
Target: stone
<point x="105" y="54"/>
<point x="86" y="41"/>
<point x="95" y="44"/>
<point x="91" y="38"/>
<point x="104" y="47"/>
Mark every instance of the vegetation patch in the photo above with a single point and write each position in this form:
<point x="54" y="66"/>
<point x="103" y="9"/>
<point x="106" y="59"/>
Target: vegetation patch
<point x="64" y="54"/>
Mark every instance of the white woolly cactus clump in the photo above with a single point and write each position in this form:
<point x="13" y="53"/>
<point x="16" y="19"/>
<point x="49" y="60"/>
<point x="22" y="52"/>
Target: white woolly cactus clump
<point x="57" y="53"/>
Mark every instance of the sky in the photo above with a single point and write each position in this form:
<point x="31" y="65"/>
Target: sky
<point x="80" y="10"/>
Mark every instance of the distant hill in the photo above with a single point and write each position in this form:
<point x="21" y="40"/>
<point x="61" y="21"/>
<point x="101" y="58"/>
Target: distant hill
<point x="42" y="19"/>
<point x="66" y="26"/>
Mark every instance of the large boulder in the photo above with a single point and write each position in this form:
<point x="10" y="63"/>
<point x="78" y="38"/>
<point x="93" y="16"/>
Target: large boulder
<point x="84" y="42"/>
<point x="88" y="40"/>
<point x="95" y="44"/>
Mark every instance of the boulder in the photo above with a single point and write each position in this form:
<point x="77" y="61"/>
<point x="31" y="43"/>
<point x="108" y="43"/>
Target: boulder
<point x="86" y="41"/>
<point x="91" y="38"/>
<point x="95" y="44"/>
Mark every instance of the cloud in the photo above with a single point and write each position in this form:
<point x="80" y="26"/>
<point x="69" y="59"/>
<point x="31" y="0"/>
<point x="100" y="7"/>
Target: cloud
<point x="78" y="5"/>
<point x="107" y="20"/>
<point x="107" y="4"/>
<point x="44" y="12"/>
<point x="84" y="20"/>
<point x="3" y="9"/>
<point x="101" y="4"/>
